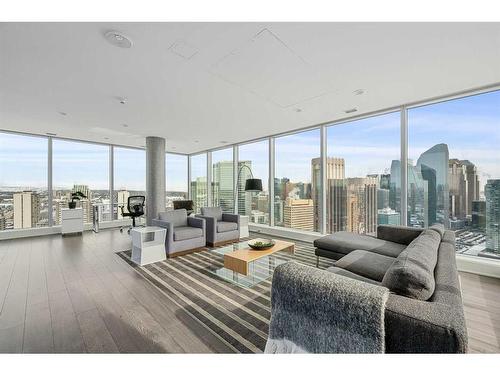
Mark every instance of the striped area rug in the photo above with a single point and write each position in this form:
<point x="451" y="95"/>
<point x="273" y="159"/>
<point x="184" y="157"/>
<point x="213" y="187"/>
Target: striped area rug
<point x="237" y="316"/>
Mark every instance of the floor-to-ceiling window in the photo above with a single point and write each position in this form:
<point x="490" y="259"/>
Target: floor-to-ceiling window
<point x="199" y="181"/>
<point x="296" y="191"/>
<point x="177" y="178"/>
<point x="129" y="176"/>
<point x="253" y="160"/>
<point x="454" y="170"/>
<point x="222" y="179"/>
<point x="23" y="181"/>
<point x="82" y="167"/>
<point x="363" y="180"/>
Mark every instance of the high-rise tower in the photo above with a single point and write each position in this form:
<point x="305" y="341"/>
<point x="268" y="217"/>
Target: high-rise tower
<point x="26" y="209"/>
<point x="335" y="195"/>
<point x="492" y="193"/>
<point x="472" y="184"/>
<point x="222" y="190"/>
<point x="458" y="184"/>
<point x="433" y="168"/>
<point x="298" y="214"/>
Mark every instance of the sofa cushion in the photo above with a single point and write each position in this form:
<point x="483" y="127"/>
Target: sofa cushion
<point x="162" y="216"/>
<point x="226" y="226"/>
<point x="438" y="228"/>
<point x="412" y="273"/>
<point x="367" y="264"/>
<point x="345" y="242"/>
<point x="212" y="212"/>
<point x="187" y="233"/>
<point x="343" y="272"/>
<point x="397" y="233"/>
<point x="178" y="218"/>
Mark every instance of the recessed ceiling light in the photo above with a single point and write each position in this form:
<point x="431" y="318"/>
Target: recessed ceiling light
<point x="106" y="138"/>
<point x="358" y="92"/>
<point x="224" y="142"/>
<point x="62" y="113"/>
<point x="196" y="141"/>
<point x="351" y="110"/>
<point x="298" y="110"/>
<point x="117" y="39"/>
<point x="121" y="100"/>
<point x="125" y="125"/>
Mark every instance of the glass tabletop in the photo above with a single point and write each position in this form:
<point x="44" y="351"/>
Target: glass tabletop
<point x="259" y="270"/>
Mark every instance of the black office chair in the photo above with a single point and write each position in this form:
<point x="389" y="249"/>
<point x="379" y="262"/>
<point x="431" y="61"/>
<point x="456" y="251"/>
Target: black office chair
<point x="135" y="207"/>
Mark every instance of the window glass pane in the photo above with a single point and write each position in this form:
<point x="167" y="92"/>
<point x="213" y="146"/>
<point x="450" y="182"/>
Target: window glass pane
<point x="129" y="176"/>
<point x="296" y="203"/>
<point x="363" y="174"/>
<point x="199" y="181"/>
<point x="23" y="181"/>
<point x="83" y="167"/>
<point x="454" y="170"/>
<point x="177" y="178"/>
<point x="254" y="161"/>
<point x="222" y="179"/>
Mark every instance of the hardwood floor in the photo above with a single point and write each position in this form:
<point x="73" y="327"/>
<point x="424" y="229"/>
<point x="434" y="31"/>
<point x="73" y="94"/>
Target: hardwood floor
<point x="481" y="296"/>
<point x="74" y="294"/>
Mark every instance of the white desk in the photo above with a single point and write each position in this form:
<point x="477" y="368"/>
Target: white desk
<point x="71" y="220"/>
<point x="148" y="245"/>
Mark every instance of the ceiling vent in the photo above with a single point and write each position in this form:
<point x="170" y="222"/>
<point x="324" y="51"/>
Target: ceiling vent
<point x="352" y="110"/>
<point x="183" y="49"/>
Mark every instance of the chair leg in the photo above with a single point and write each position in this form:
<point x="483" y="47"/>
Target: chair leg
<point x="317" y="261"/>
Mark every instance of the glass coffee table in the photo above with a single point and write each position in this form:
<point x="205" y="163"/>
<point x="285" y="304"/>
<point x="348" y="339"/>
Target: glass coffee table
<point x="241" y="265"/>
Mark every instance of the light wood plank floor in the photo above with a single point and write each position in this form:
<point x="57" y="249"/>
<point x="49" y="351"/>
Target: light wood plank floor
<point x="74" y="294"/>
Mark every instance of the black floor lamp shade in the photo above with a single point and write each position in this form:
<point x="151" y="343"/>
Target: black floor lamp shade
<point x="253" y="184"/>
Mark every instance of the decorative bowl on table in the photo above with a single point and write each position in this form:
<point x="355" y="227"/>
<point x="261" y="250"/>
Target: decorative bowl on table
<point x="261" y="244"/>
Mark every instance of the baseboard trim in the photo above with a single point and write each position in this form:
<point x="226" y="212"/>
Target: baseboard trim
<point x="12" y="234"/>
<point x="478" y="265"/>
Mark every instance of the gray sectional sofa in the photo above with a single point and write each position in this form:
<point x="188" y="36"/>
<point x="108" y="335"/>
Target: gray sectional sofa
<point x="423" y="312"/>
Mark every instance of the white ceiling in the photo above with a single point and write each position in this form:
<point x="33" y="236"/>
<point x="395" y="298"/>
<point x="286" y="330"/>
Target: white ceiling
<point x="201" y="84"/>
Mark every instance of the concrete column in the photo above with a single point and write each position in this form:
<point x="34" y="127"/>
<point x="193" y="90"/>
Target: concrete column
<point x="155" y="177"/>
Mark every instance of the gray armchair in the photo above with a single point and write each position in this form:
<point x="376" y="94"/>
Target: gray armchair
<point x="185" y="234"/>
<point x="221" y="227"/>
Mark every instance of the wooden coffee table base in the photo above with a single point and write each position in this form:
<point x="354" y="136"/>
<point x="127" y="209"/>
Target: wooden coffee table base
<point x="239" y="260"/>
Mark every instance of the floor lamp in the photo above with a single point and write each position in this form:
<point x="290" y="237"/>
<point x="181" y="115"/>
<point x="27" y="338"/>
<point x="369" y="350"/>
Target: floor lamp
<point x="251" y="184"/>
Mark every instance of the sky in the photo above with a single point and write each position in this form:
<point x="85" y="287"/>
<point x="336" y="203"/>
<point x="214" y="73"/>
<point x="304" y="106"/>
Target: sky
<point x="470" y="126"/>
<point x="23" y="162"/>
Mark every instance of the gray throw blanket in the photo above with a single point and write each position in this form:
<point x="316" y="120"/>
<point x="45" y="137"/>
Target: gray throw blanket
<point x="316" y="311"/>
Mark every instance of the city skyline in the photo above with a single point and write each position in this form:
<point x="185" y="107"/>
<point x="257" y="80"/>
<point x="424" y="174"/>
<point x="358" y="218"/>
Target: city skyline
<point x="452" y="154"/>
